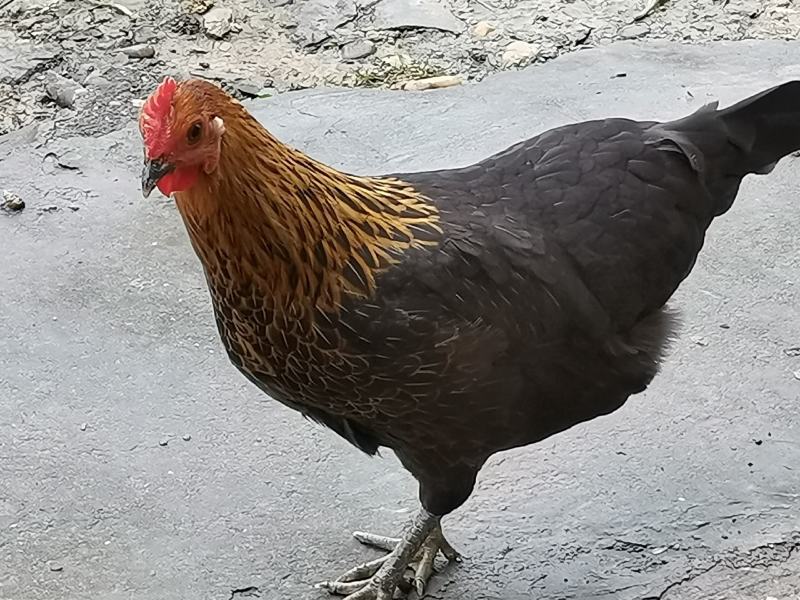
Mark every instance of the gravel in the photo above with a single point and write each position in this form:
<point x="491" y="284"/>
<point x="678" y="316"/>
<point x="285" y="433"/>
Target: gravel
<point x="87" y="65"/>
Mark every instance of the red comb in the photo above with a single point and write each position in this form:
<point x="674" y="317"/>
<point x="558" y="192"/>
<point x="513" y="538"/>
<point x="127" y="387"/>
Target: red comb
<point x="154" y="118"/>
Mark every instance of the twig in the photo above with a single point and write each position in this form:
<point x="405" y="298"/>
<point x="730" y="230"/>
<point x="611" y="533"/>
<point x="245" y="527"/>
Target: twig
<point x="649" y="8"/>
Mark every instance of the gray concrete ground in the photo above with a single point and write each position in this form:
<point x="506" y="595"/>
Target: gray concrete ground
<point x="136" y="463"/>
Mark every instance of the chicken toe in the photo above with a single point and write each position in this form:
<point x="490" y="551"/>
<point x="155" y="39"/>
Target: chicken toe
<point x="386" y="578"/>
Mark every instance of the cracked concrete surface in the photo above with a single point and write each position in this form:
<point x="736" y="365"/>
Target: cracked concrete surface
<point x="136" y="463"/>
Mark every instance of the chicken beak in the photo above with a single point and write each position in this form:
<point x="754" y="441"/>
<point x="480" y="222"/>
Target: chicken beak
<point x="153" y="171"/>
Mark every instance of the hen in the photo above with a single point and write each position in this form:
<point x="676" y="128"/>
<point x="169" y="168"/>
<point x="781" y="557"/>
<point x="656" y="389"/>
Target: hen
<point x="450" y="315"/>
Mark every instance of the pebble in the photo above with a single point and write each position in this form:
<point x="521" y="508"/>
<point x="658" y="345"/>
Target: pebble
<point x="187" y="438"/>
<point x="139" y="51"/>
<point x="358" y="49"/>
<point x="483" y="28"/>
<point x="636" y="30"/>
<point x="62" y="92"/>
<point x="197" y="7"/>
<point x="11" y="202"/>
<point x="56" y="567"/>
<point x="416" y="14"/>
<point x="517" y="53"/>
<point x="163" y="442"/>
<point x="797" y="375"/>
<point x="144" y="35"/>
<point x="84" y="426"/>
<point x="217" y="22"/>
<point x="432" y="83"/>
<point x="396" y="61"/>
<point x="69" y="160"/>
<point x="249" y="88"/>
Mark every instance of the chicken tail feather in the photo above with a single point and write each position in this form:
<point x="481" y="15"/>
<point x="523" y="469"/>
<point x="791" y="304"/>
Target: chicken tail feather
<point x="765" y="127"/>
<point x="725" y="145"/>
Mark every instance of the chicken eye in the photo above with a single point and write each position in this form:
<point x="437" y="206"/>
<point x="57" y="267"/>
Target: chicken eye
<point x="194" y="132"/>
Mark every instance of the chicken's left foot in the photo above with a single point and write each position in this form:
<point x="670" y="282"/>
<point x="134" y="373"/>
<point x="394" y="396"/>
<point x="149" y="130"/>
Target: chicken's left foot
<point x="383" y="578"/>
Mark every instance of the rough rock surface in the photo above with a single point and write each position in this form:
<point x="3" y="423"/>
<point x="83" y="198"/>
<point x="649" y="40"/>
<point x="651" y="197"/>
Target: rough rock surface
<point x="263" y="46"/>
<point x="136" y="463"/>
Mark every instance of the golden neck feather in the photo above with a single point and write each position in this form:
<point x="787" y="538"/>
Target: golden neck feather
<point x="299" y="230"/>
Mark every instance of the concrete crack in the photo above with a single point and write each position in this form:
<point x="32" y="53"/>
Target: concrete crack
<point x="683" y="580"/>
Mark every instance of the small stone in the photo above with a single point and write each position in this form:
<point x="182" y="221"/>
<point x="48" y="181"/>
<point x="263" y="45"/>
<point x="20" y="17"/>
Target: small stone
<point x="797" y="375"/>
<point x="699" y="340"/>
<point x="163" y="442"/>
<point x="483" y="28"/>
<point x="145" y="35"/>
<point x="56" y="567"/>
<point x="62" y="92"/>
<point x="357" y="49"/>
<point x="217" y="22"/>
<point x="416" y="14"/>
<point x="432" y="83"/>
<point x="139" y="51"/>
<point x="395" y="61"/>
<point x="84" y="426"/>
<point x="518" y="53"/>
<point x="11" y="202"/>
<point x="69" y="160"/>
<point x="636" y="30"/>
<point x="197" y="7"/>
<point x="248" y="88"/>
<point x="187" y="438"/>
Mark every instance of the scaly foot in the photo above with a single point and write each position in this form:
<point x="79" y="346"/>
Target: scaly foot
<point x="383" y="578"/>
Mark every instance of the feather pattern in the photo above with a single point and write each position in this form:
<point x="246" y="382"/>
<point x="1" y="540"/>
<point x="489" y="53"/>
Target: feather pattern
<point x="453" y="314"/>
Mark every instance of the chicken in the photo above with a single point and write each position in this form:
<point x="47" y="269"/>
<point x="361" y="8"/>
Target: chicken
<point x="450" y="315"/>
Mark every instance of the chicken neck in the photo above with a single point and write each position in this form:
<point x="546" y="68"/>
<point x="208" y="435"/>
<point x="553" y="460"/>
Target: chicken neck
<point x="307" y="230"/>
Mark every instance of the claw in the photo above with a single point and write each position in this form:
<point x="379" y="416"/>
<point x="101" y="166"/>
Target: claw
<point x="424" y="571"/>
<point x="385" y="578"/>
<point x="341" y="588"/>
<point x="363" y="571"/>
<point x="450" y="553"/>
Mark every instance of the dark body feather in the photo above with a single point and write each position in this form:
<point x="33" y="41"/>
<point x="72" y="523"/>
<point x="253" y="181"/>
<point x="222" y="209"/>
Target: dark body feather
<point x="539" y="305"/>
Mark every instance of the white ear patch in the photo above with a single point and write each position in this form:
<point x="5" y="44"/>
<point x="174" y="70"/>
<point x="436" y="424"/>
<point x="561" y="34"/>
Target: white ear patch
<point x="218" y="125"/>
<point x="212" y="161"/>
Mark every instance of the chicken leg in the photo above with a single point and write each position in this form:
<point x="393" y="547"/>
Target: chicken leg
<point x="380" y="579"/>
